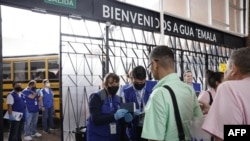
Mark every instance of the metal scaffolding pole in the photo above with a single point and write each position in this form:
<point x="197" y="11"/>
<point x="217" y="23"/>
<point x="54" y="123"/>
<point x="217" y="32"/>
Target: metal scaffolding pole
<point x="107" y="47"/>
<point x="1" y="80"/>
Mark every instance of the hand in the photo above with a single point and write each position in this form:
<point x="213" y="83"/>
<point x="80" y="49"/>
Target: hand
<point x="43" y="109"/>
<point x="38" y="91"/>
<point x="120" y="114"/>
<point x="11" y="118"/>
<point x="137" y="112"/>
<point x="204" y="107"/>
<point x="128" y="117"/>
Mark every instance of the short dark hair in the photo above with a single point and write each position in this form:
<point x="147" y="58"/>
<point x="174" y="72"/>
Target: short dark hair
<point x="187" y="71"/>
<point x="240" y="58"/>
<point x="163" y="55"/>
<point x="213" y="77"/>
<point x="139" y="72"/>
<point x="114" y="77"/>
<point x="14" y="83"/>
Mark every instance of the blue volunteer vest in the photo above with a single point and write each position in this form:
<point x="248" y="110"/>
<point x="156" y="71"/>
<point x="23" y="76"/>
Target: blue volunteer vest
<point x="130" y="96"/>
<point x="19" y="105"/>
<point x="31" y="104"/>
<point x="47" y="98"/>
<point x="102" y="132"/>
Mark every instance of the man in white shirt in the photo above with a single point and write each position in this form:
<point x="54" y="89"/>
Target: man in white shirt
<point x="15" y="102"/>
<point x="46" y="101"/>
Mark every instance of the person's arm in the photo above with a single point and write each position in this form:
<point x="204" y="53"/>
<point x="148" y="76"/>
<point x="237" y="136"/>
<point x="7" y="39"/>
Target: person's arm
<point x="204" y="107"/>
<point x="95" y="109"/>
<point x="32" y="95"/>
<point x="203" y="97"/>
<point x="41" y="102"/>
<point x="10" y="102"/>
<point x="9" y="109"/>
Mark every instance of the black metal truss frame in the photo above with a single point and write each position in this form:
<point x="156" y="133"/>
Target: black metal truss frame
<point x="128" y="47"/>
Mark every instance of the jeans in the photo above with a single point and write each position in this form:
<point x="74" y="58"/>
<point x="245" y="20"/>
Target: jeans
<point x="48" y="118"/>
<point x="15" y="131"/>
<point x="30" y="127"/>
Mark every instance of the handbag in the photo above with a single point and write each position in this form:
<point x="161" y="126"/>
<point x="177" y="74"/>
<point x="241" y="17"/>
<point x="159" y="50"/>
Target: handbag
<point x="181" y="134"/>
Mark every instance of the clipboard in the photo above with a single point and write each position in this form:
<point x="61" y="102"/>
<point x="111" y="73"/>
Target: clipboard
<point x="17" y="115"/>
<point x="128" y="106"/>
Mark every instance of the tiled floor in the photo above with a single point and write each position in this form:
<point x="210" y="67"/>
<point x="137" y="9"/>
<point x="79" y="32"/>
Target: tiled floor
<point x="54" y="136"/>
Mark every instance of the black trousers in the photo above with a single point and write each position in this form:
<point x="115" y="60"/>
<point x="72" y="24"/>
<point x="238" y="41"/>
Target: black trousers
<point x="139" y="131"/>
<point x="16" y="130"/>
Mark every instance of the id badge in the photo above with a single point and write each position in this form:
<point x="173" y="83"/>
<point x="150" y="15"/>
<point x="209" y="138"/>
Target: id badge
<point x="112" y="128"/>
<point x="35" y="102"/>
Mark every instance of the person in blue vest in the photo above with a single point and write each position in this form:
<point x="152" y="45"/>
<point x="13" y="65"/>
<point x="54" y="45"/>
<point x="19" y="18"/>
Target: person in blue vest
<point x="15" y="102"/>
<point x="188" y="78"/>
<point x="138" y="93"/>
<point x="31" y="99"/>
<point x="106" y="117"/>
<point x="46" y="100"/>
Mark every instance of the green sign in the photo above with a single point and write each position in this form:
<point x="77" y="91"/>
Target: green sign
<point x="64" y="3"/>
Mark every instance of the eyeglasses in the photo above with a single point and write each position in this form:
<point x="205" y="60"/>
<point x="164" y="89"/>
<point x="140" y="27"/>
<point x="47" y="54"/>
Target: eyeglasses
<point x="150" y="64"/>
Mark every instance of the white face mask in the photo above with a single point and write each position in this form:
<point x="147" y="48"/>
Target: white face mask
<point x="47" y="85"/>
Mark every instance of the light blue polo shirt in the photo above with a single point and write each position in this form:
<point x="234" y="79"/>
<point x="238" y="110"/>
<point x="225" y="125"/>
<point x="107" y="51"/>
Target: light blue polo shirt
<point x="159" y="122"/>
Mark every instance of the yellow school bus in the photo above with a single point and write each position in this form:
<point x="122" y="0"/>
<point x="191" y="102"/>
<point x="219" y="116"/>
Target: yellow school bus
<point x="35" y="67"/>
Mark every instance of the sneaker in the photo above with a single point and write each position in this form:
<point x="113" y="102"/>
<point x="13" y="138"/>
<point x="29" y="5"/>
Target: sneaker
<point x="45" y="132"/>
<point x="37" y="135"/>
<point x="51" y="129"/>
<point x="28" y="138"/>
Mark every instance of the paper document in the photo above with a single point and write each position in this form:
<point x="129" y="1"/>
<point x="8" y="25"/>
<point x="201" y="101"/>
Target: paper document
<point x="17" y="115"/>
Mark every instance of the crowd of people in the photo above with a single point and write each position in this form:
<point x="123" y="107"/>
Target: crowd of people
<point x="154" y="114"/>
<point x="28" y="102"/>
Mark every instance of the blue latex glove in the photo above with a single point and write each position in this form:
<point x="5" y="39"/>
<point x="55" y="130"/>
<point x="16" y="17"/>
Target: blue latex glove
<point x="137" y="112"/>
<point x="128" y="117"/>
<point x="120" y="114"/>
<point x="38" y="92"/>
<point x="11" y="118"/>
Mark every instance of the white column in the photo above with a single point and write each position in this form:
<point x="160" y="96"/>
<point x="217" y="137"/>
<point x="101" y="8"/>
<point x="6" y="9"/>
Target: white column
<point x="246" y="17"/>
<point x="210" y="19"/>
<point x="188" y="9"/>
<point x="227" y="14"/>
<point x="162" y="22"/>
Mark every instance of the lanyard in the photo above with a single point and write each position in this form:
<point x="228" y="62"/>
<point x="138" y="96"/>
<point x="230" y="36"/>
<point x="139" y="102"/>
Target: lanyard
<point x="110" y="102"/>
<point x="140" y="98"/>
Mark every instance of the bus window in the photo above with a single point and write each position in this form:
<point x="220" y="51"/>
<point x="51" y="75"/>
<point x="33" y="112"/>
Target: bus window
<point x="37" y="70"/>
<point x="53" y="69"/>
<point x="6" y="71"/>
<point x="20" y="71"/>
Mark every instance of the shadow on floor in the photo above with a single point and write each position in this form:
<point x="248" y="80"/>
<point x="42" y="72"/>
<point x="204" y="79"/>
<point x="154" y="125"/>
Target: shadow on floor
<point x="55" y="135"/>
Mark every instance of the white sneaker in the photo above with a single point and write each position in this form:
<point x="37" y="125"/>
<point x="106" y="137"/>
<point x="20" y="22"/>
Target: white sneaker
<point x="28" y="138"/>
<point x="37" y="135"/>
<point x="52" y="129"/>
<point x="45" y="132"/>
